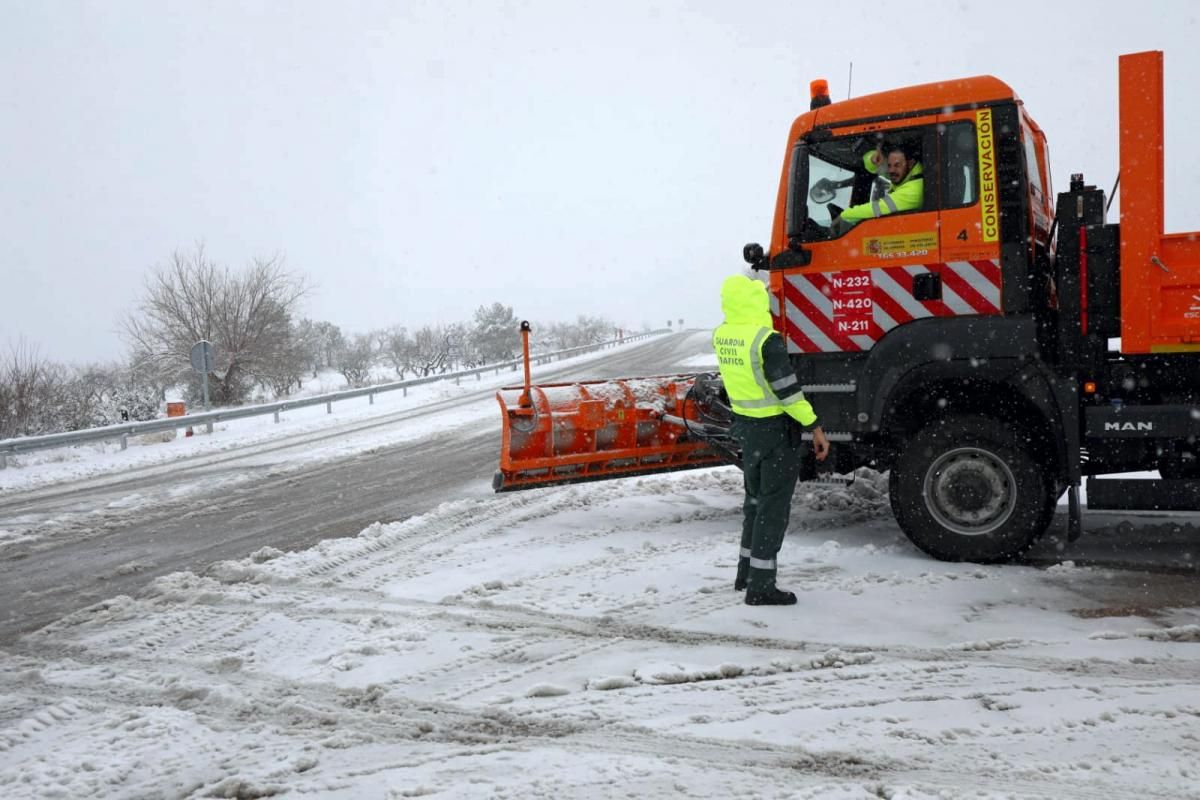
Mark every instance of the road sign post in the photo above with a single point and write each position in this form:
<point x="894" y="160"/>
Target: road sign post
<point x="203" y="356"/>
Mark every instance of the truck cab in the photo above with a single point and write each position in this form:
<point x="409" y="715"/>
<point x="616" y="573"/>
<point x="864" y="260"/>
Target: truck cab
<point x="968" y="250"/>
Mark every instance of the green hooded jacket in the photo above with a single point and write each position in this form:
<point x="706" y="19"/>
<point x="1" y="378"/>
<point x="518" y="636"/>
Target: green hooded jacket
<point x="752" y="357"/>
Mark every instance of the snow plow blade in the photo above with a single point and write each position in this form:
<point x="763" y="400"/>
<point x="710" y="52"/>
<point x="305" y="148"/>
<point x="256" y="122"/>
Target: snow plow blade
<point x="575" y="432"/>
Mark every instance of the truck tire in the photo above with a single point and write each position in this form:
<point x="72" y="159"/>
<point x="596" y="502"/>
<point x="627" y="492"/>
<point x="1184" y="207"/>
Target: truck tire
<point x="966" y="488"/>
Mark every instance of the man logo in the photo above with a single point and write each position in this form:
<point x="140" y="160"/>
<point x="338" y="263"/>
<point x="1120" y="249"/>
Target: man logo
<point x="1129" y="426"/>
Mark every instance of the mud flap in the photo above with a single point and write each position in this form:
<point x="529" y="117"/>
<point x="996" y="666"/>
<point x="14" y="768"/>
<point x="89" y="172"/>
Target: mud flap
<point x="1074" y="514"/>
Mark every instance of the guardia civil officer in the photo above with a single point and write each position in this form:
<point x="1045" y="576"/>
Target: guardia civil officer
<point x="769" y="415"/>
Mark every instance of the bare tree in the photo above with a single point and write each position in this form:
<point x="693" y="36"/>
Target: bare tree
<point x="293" y="358"/>
<point x="556" y="335"/>
<point x="356" y="358"/>
<point x="459" y="351"/>
<point x="246" y="315"/>
<point x="584" y="330"/>
<point x="29" y="392"/>
<point x="141" y="373"/>
<point x="379" y="339"/>
<point x="593" y="330"/>
<point x="330" y="342"/>
<point x="397" y="348"/>
<point x="430" y="350"/>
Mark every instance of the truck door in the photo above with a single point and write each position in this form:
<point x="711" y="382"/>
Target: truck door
<point x="969" y="210"/>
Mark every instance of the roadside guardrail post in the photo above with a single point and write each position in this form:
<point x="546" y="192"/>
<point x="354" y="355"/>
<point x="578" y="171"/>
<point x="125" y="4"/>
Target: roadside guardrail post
<point x="329" y="407"/>
<point x="371" y="398"/>
<point x="124" y="441"/>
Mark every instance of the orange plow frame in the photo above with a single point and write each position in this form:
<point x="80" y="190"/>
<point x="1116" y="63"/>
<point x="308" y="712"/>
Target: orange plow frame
<point x="574" y="432"/>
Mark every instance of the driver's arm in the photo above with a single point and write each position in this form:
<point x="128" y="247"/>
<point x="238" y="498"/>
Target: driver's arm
<point x="871" y="161"/>
<point x="858" y="213"/>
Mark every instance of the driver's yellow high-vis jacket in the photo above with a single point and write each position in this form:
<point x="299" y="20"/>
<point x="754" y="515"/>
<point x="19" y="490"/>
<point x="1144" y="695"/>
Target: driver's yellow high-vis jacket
<point x="906" y="195"/>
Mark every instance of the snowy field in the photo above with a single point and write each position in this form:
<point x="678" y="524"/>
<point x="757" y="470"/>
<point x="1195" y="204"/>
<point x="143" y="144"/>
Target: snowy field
<point x="586" y="642"/>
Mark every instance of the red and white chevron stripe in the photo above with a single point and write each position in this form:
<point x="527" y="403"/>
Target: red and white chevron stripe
<point x="848" y="311"/>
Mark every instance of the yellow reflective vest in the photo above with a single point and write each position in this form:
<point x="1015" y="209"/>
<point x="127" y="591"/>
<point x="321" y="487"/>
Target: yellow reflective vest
<point x="752" y="357"/>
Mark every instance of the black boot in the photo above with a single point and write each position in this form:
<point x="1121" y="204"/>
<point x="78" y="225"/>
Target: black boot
<point x="743" y="575"/>
<point x="771" y="597"/>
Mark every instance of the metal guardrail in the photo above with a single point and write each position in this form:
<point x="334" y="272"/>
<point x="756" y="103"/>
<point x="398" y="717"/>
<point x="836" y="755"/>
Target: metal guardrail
<point x="124" y="431"/>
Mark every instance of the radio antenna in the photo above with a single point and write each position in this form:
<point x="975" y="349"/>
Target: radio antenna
<point x="850" y="80"/>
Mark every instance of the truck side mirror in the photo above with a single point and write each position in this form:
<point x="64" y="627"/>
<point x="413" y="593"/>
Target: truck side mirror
<point x="754" y="255"/>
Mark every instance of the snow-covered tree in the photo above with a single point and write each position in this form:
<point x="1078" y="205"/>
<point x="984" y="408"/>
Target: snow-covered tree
<point x="430" y="350"/>
<point x="356" y="358"/>
<point x="29" y="392"/>
<point x="495" y="334"/>
<point x="397" y="350"/>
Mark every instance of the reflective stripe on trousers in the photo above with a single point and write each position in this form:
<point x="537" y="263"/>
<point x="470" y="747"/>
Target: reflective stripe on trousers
<point x="757" y="563"/>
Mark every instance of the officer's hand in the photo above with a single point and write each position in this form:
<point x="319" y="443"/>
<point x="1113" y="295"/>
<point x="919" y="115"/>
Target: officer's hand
<point x="820" y="444"/>
<point x="877" y="157"/>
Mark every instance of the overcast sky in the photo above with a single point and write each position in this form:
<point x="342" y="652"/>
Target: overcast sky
<point x="415" y="160"/>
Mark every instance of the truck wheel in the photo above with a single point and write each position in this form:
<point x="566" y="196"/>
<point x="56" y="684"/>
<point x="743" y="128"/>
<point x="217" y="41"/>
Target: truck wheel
<point x="967" y="489"/>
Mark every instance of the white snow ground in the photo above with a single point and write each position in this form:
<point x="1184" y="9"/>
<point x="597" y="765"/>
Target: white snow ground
<point x="586" y="642"/>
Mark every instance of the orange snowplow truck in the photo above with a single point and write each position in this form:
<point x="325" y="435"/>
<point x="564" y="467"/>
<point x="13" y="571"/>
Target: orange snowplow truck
<point x="991" y="347"/>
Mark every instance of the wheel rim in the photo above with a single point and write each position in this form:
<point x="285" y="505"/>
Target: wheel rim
<point x="970" y="491"/>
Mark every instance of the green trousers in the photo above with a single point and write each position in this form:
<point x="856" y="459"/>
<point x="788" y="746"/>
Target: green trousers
<point x="770" y="465"/>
